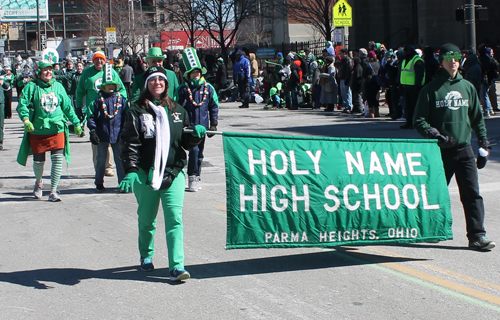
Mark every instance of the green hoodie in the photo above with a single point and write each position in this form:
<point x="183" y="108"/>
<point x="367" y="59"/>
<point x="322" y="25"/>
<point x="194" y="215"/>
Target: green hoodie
<point x="88" y="87"/>
<point x="47" y="106"/>
<point x="451" y="106"/>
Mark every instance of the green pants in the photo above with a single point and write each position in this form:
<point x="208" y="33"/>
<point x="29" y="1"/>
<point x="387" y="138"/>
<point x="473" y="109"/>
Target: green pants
<point x="172" y="200"/>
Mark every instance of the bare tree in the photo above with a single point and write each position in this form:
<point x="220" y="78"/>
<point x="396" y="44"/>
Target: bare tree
<point x="96" y="15"/>
<point x="317" y="13"/>
<point x="255" y="31"/>
<point x="132" y="26"/>
<point x="186" y="14"/>
<point x="222" y="19"/>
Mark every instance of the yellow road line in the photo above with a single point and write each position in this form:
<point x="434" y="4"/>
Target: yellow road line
<point x="216" y="206"/>
<point x="450" y="273"/>
<point x="442" y="282"/>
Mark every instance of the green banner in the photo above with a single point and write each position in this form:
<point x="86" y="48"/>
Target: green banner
<point x="285" y="191"/>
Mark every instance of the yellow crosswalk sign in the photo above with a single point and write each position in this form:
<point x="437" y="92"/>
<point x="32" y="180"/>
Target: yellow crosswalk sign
<point x="342" y="14"/>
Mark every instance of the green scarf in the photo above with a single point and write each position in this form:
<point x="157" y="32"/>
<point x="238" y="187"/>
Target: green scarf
<point x="43" y="84"/>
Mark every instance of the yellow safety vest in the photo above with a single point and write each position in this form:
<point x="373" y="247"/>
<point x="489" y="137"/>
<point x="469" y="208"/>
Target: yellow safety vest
<point x="408" y="71"/>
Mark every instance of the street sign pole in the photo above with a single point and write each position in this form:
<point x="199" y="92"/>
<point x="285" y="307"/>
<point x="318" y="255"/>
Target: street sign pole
<point x="346" y="38"/>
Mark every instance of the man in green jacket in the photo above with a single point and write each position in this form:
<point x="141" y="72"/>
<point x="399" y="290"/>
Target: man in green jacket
<point x="154" y="59"/>
<point x="448" y="109"/>
<point x="88" y="90"/>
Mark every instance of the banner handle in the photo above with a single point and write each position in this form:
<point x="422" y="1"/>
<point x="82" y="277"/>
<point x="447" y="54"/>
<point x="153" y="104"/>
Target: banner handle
<point x="208" y="131"/>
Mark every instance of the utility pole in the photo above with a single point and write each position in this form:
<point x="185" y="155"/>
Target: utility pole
<point x="109" y="13"/>
<point x="38" y="40"/>
<point x="470" y="25"/>
<point x="64" y="19"/>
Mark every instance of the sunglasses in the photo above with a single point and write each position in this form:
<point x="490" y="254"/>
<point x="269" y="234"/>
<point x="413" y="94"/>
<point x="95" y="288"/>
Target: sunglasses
<point x="448" y="56"/>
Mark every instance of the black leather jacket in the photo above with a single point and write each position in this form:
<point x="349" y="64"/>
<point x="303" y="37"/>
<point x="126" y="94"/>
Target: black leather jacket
<point x="138" y="140"/>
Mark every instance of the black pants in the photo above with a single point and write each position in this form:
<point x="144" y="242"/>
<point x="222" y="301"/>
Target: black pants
<point x="461" y="163"/>
<point x="411" y="95"/>
<point x="127" y="88"/>
<point x="357" y="101"/>
<point x="8" y="104"/>
<point x="244" y="89"/>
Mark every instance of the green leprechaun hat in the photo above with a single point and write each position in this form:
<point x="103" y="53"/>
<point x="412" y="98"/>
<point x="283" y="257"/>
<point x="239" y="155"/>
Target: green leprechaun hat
<point x="155" y="53"/>
<point x="191" y="61"/>
<point x="110" y="77"/>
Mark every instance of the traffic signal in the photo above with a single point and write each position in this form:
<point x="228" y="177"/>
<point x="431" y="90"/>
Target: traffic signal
<point x="4" y="32"/>
<point x="480" y="12"/>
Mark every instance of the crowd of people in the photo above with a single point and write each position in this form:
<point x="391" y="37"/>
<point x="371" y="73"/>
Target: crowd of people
<point x="139" y="119"/>
<point x="353" y="81"/>
<point x="149" y="124"/>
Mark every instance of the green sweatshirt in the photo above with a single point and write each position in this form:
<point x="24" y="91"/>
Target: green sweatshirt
<point x="47" y="106"/>
<point x="88" y="87"/>
<point x="451" y="106"/>
<point x="138" y="85"/>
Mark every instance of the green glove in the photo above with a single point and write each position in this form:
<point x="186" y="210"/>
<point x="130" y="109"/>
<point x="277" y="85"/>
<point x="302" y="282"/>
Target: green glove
<point x="28" y="126"/>
<point x="199" y="131"/>
<point x="78" y="131"/>
<point x="128" y="182"/>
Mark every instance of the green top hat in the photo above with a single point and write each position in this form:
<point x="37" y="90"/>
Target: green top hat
<point x="155" y="53"/>
<point x="191" y="61"/>
<point x="109" y="77"/>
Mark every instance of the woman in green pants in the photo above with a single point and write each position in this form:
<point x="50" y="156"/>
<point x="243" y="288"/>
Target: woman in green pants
<point x="152" y="145"/>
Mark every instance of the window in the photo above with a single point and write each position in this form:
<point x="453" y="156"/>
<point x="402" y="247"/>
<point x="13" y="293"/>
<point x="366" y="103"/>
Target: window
<point x="162" y="18"/>
<point x="170" y="17"/>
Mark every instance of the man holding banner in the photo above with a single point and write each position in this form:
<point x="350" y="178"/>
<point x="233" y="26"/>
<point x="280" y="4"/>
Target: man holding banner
<point x="448" y="109"/>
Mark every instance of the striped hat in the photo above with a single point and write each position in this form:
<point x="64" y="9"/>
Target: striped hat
<point x="191" y="61"/>
<point x="110" y="77"/>
<point x="99" y="54"/>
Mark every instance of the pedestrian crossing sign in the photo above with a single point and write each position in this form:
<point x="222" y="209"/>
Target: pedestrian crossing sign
<point x="342" y="14"/>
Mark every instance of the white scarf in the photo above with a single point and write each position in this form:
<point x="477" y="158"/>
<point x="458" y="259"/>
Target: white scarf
<point x="162" y="144"/>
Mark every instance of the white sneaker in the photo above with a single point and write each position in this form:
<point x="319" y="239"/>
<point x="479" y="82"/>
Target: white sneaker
<point x="401" y="119"/>
<point x="199" y="184"/>
<point x="193" y="183"/>
<point x="54" y="197"/>
<point x="37" y="190"/>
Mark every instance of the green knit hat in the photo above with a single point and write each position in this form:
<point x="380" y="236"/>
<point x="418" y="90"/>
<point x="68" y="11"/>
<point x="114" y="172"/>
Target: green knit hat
<point x="155" y="53"/>
<point x="191" y="61"/>
<point x="109" y="77"/>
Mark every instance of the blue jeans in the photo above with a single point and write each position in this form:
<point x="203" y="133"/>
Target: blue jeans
<point x="102" y="155"/>
<point x="485" y="100"/>
<point x="345" y="91"/>
<point x="195" y="159"/>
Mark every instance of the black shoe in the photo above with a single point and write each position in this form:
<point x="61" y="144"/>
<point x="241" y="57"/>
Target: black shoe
<point x="147" y="264"/>
<point x="242" y="106"/>
<point x="406" y="126"/>
<point x="100" y="187"/>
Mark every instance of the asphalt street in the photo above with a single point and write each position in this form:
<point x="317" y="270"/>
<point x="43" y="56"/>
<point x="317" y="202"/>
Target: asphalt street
<point x="78" y="259"/>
